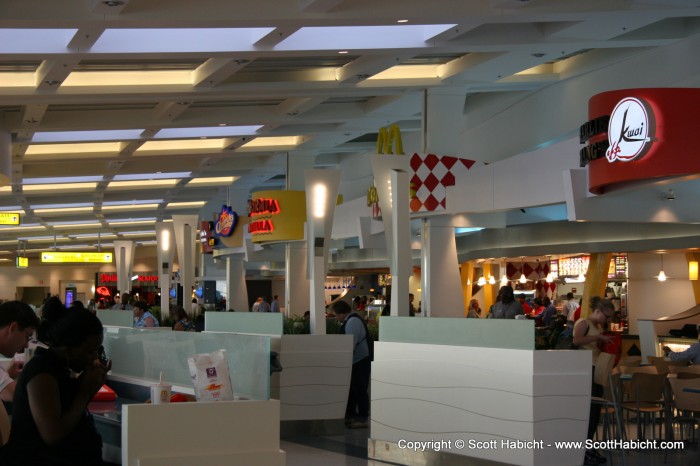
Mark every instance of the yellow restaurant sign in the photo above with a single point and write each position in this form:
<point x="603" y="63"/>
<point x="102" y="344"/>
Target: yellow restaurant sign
<point x="9" y="218"/>
<point x="73" y="257"/>
<point x="22" y="262"/>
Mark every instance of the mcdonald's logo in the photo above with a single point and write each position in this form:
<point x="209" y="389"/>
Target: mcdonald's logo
<point x="387" y="138"/>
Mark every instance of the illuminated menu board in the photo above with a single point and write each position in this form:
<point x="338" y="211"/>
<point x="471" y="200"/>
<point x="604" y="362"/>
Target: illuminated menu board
<point x="618" y="267"/>
<point x="573" y="266"/>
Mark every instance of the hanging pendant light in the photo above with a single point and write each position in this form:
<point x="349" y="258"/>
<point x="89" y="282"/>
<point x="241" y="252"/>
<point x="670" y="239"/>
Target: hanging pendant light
<point x="492" y="280"/>
<point x="662" y="276"/>
<point x="481" y="281"/>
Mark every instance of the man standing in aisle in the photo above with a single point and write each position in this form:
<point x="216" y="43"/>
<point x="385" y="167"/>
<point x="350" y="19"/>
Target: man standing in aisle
<point x="357" y="410"/>
<point x="275" y="304"/>
<point x="17" y="325"/>
<point x="569" y="309"/>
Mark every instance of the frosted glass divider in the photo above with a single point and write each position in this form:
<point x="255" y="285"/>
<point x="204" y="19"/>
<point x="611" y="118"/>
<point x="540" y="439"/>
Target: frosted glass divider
<point x="486" y="333"/>
<point x="144" y="353"/>
<point x="266" y="323"/>
<point x="117" y="318"/>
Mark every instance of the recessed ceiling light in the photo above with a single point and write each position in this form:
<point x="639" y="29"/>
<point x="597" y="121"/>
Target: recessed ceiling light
<point x="402" y="21"/>
<point x="113" y="3"/>
<point x="343" y="51"/>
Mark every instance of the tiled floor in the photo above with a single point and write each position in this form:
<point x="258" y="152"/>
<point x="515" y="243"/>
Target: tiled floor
<point x="349" y="448"/>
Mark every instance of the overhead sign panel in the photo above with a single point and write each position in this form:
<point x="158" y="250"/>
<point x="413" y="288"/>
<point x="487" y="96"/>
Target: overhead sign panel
<point x="76" y="257"/>
<point x="22" y="262"/>
<point x="9" y="218"/>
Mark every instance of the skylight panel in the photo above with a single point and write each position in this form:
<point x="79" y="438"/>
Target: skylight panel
<point x="151" y="176"/>
<point x="183" y="40"/>
<point x="76" y="136"/>
<point x="63" y="179"/>
<point x="362" y="37"/>
<point x="35" y="40"/>
<point x="212" y="131"/>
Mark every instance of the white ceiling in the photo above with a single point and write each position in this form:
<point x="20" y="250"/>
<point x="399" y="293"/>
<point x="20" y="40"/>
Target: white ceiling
<point x="322" y="74"/>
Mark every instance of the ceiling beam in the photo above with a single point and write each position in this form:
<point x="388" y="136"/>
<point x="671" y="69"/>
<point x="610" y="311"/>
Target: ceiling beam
<point x="216" y="70"/>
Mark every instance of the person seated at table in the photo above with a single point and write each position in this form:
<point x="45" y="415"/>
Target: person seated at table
<point x="182" y="321"/>
<point x="143" y="317"/>
<point x="545" y="317"/>
<point x="51" y="424"/>
<point x="692" y="354"/>
<point x="474" y="311"/>
<point x="17" y="325"/>
<point x="537" y="307"/>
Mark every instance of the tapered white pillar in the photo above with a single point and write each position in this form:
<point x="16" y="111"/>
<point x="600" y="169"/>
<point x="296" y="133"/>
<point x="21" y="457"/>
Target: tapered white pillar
<point x="236" y="291"/>
<point x="391" y="181"/>
<point x="321" y="197"/>
<point x="440" y="278"/>
<point x="165" y="244"/>
<point x="124" y="257"/>
<point x="297" y="285"/>
<point x="185" y="228"/>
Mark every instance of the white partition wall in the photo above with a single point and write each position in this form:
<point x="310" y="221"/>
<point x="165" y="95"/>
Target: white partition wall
<point x="244" y="433"/>
<point x="481" y="400"/>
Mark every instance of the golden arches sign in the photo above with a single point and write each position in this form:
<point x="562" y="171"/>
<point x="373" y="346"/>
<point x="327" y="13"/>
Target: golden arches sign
<point x="387" y="138"/>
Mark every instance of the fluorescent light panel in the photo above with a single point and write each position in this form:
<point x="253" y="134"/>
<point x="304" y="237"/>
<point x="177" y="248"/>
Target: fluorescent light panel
<point x="75" y="148"/>
<point x="276" y="141"/>
<point x="212" y="131"/>
<point x="61" y="225"/>
<point x="128" y="78"/>
<point x="181" y="144"/>
<point x="142" y="184"/>
<point x="129" y="207"/>
<point x="65" y="187"/>
<point x="137" y="233"/>
<point x="182" y="205"/>
<point x="65" y="210"/>
<point x="131" y="221"/>
<point x="215" y="180"/>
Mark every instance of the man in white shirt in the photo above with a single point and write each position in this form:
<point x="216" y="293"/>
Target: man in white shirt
<point x="18" y="322"/>
<point x="569" y="309"/>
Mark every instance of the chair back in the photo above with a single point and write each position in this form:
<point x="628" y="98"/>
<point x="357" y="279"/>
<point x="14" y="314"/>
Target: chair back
<point x="687" y="375"/>
<point x="647" y="388"/>
<point x="683" y="400"/>
<point x="630" y="361"/>
<point x="638" y="369"/>
<point x="687" y="369"/>
<point x="603" y="366"/>
<point x="4" y="425"/>
<point x="662" y="365"/>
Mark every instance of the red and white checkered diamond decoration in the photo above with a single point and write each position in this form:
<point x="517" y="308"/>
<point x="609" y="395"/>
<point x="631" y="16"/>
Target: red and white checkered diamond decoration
<point x="431" y="176"/>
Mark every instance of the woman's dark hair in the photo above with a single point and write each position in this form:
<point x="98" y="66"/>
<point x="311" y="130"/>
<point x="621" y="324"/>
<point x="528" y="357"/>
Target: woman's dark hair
<point x="179" y="313"/>
<point x="142" y="305"/>
<point x="537" y="301"/>
<point x="546" y="301"/>
<point x="603" y="304"/>
<point x="68" y="327"/>
<point x="17" y="311"/>
<point x="506" y="294"/>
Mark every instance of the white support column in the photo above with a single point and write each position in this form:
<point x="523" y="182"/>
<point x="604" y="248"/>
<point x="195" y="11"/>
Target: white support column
<point x="440" y="279"/>
<point x="236" y="291"/>
<point x="391" y="180"/>
<point x="185" y="227"/>
<point x="124" y="256"/>
<point x="165" y="239"/>
<point x="297" y="285"/>
<point x="321" y="197"/>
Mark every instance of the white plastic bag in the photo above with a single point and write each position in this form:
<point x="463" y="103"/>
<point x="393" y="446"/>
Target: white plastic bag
<point x="210" y="376"/>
